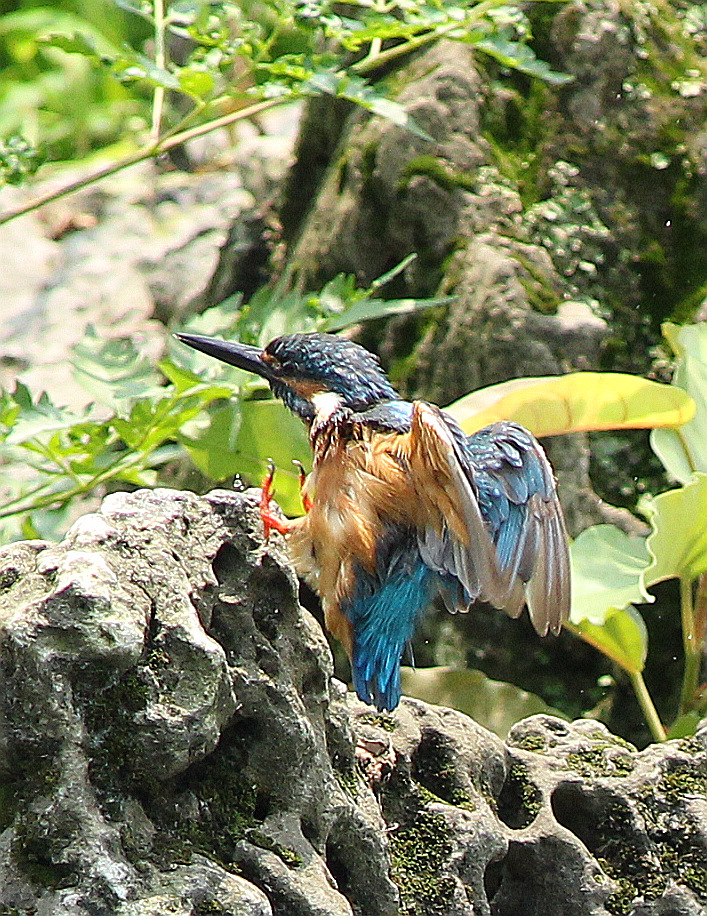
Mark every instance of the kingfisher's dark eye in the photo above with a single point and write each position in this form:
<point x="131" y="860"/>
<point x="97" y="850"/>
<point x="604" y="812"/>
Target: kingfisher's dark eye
<point x="271" y="361"/>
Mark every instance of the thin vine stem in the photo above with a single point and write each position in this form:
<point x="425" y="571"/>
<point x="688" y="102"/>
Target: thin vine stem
<point x="161" y="62"/>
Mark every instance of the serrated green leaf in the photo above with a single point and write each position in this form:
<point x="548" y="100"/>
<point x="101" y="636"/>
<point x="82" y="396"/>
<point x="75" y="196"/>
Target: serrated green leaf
<point x="36" y="419"/>
<point x="343" y="85"/>
<point x="185" y="381"/>
<point x="493" y="704"/>
<point x="112" y="370"/>
<point x="521" y="57"/>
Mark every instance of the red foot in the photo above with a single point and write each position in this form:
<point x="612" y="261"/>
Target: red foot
<point x="306" y="501"/>
<point x="271" y="522"/>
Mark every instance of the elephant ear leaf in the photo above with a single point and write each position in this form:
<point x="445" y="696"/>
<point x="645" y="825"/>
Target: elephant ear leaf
<point x="684" y="451"/>
<point x="677" y="543"/>
<point x="607" y="572"/>
<point x="607" y="578"/>
<point x="576" y="402"/>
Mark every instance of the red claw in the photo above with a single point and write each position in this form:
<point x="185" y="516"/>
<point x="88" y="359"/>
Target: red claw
<point x="306" y="501"/>
<point x="271" y="522"/>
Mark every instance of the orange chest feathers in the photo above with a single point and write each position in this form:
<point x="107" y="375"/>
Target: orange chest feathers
<point x="359" y="486"/>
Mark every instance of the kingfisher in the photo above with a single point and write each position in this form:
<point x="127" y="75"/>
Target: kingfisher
<point x="401" y="506"/>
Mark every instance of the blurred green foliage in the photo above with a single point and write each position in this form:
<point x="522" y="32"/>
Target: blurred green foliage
<point x="144" y="419"/>
<point x="59" y="102"/>
<point x="116" y="76"/>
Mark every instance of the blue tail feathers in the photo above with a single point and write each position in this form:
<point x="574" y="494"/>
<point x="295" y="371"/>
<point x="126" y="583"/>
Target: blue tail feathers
<point x="383" y="622"/>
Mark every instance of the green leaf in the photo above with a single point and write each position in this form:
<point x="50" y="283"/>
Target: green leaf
<point x="493" y="704"/>
<point x="132" y="65"/>
<point x="187" y="382"/>
<point x="368" y="309"/>
<point x="36" y="419"/>
<point x="607" y="570"/>
<point x="113" y="371"/>
<point x="140" y="8"/>
<point x="19" y="159"/>
<point x="76" y="43"/>
<point x="622" y="637"/>
<point x="684" y="450"/>
<point x="686" y="725"/>
<point x="678" y="542"/>
<point x="196" y="82"/>
<point x="521" y="57"/>
<point x="212" y="447"/>
<point x="344" y="85"/>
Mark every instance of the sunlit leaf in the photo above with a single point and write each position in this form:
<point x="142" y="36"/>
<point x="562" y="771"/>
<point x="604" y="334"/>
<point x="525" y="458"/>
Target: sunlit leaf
<point x="669" y="445"/>
<point x="622" y="637"/>
<point x="678" y="542"/>
<point x="185" y="381"/>
<point x="685" y="450"/>
<point x="213" y="448"/>
<point x="35" y="419"/>
<point x="196" y="82"/>
<point x="607" y="570"/>
<point x="575" y="402"/>
<point x="493" y="704"/>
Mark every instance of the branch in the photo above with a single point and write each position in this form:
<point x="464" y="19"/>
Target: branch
<point x="148" y="151"/>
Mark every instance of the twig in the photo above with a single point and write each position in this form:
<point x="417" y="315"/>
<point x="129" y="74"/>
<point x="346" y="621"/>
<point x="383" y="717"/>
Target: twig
<point x="146" y="152"/>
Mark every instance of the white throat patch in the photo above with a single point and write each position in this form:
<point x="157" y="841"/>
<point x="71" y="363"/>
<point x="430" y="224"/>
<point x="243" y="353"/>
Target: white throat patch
<point x="325" y="404"/>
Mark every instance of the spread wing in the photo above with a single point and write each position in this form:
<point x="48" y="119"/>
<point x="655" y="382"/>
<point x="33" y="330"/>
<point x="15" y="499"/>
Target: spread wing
<point x="493" y="526"/>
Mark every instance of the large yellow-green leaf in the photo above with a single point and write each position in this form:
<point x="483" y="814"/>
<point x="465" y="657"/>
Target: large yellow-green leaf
<point x="269" y="431"/>
<point x="242" y="437"/>
<point x="607" y="570"/>
<point x="622" y="637"/>
<point x="678" y="542"/>
<point x="684" y="451"/>
<point x="493" y="704"/>
<point x="577" y="402"/>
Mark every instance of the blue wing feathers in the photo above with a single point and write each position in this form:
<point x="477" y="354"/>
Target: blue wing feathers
<point x="514" y="488"/>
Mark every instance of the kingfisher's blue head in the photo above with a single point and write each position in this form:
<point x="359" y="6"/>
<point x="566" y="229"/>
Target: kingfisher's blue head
<point x="314" y="374"/>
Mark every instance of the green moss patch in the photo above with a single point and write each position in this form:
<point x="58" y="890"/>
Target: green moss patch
<point x="420" y="852"/>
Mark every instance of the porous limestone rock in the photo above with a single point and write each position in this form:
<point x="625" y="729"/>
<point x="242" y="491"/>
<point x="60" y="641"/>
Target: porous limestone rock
<point x="172" y="741"/>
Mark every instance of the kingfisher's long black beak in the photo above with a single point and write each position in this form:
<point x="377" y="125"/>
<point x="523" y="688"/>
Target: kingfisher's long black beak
<point x="241" y="355"/>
